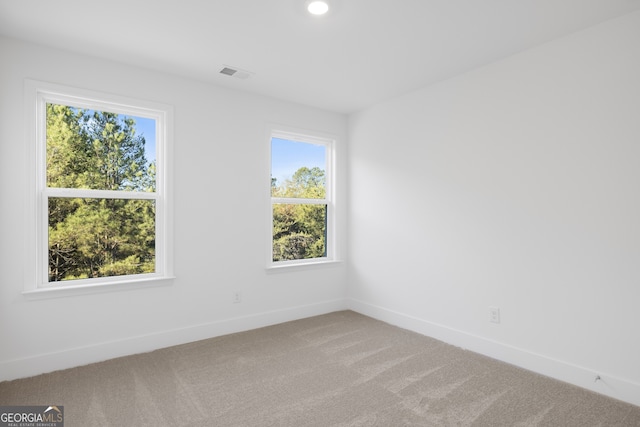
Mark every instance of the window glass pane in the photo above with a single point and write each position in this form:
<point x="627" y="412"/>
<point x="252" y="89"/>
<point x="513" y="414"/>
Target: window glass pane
<point x="299" y="231"/>
<point x="100" y="237"/>
<point x="99" y="150"/>
<point x="297" y="169"/>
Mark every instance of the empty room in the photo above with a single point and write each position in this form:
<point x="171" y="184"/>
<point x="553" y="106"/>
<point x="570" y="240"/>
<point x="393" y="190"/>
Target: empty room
<point x="291" y="212"/>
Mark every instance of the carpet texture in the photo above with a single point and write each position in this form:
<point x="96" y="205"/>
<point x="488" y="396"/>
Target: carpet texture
<point x="339" y="369"/>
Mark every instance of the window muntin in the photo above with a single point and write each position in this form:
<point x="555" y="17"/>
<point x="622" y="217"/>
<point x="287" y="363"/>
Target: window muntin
<point x="301" y="204"/>
<point x="102" y="194"/>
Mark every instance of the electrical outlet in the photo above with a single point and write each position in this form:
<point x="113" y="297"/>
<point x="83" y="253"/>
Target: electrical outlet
<point x="494" y="314"/>
<point x="237" y="297"/>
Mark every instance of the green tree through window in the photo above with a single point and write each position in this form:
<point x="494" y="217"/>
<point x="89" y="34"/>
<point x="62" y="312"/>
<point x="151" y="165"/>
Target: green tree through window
<point x="105" y="235"/>
<point x="299" y="199"/>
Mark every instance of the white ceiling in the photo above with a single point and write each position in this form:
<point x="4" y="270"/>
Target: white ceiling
<point x="362" y="52"/>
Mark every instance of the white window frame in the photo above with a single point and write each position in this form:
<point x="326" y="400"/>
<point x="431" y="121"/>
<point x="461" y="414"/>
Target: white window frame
<point x="316" y="138"/>
<point x="37" y="95"/>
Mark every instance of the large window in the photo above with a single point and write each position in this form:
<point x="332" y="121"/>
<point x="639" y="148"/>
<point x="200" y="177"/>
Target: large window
<point x="101" y="193"/>
<point x="301" y="199"/>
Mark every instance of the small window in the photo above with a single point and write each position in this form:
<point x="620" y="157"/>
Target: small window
<point x="101" y="188"/>
<point x="301" y="199"/>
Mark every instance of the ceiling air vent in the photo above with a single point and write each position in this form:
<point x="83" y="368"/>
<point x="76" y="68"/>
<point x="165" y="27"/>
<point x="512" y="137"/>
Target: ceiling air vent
<point x="235" y="72"/>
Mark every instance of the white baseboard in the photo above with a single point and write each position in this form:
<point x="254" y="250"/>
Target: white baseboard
<point x="79" y="356"/>
<point x="607" y="385"/>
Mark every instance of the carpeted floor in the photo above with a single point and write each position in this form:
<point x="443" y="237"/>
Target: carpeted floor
<point x="339" y="369"/>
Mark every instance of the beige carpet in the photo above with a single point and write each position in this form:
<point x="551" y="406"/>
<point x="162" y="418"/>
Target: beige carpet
<point x="340" y="369"/>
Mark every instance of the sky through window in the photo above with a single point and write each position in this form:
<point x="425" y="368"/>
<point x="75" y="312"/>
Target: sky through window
<point x="289" y="156"/>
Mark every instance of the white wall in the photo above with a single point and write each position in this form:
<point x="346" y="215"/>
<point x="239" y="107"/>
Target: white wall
<point x="515" y="186"/>
<point x="221" y="199"/>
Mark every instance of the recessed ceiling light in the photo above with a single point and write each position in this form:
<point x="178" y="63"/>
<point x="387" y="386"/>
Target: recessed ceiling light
<point x="318" y="7"/>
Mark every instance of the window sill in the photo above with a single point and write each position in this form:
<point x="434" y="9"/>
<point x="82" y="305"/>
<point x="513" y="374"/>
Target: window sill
<point x="96" y="288"/>
<point x="287" y="266"/>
